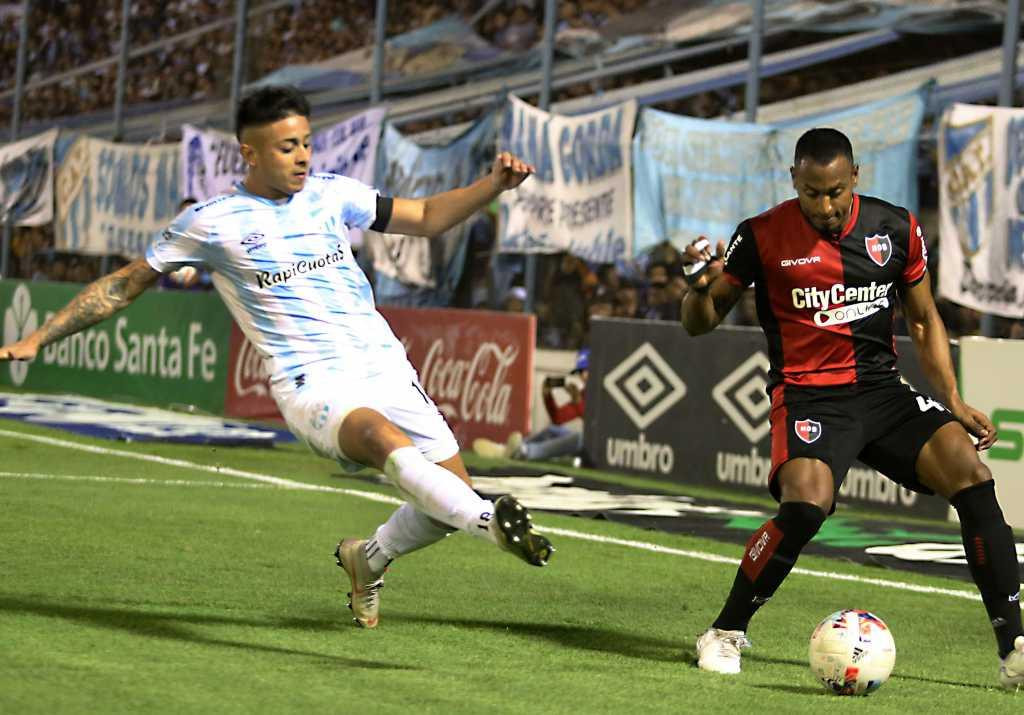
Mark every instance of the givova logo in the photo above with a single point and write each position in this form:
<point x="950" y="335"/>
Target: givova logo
<point x="741" y="395"/>
<point x="20" y="321"/>
<point x="644" y="386"/>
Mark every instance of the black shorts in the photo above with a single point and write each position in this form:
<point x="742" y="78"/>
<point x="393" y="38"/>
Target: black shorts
<point x="883" y="425"/>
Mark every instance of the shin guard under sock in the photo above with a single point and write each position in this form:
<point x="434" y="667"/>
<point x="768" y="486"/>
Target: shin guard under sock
<point x="770" y="555"/>
<point x="992" y="558"/>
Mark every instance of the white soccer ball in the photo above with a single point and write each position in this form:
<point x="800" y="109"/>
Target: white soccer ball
<point x="852" y="652"/>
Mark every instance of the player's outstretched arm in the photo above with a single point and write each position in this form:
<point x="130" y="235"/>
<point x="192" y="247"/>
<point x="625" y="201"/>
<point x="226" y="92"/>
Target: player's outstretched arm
<point x="97" y="301"/>
<point x="435" y="214"/>
<point x="710" y="298"/>
<point x="932" y="343"/>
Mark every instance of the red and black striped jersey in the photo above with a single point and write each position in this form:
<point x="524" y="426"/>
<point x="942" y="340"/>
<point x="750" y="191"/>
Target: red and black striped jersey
<point x="826" y="304"/>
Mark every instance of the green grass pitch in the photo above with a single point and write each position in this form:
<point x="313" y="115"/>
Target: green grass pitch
<point x="142" y="586"/>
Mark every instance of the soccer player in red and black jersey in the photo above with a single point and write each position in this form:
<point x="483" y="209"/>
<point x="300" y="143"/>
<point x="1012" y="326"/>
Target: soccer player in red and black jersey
<point x="828" y="267"/>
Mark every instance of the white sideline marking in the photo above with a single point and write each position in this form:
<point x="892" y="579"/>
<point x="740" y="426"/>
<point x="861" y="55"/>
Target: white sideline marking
<point x="715" y="558"/>
<point x="133" y="480"/>
<point x="222" y="471"/>
<point x="267" y="480"/>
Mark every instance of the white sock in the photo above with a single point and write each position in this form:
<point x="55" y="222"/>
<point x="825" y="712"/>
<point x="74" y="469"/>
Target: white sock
<point x="376" y="556"/>
<point x="405" y="531"/>
<point x="438" y="493"/>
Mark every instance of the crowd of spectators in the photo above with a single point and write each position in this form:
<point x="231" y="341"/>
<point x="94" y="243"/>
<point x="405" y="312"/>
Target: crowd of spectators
<point x="69" y="34"/>
<point x="33" y="258"/>
<point x="571" y="293"/>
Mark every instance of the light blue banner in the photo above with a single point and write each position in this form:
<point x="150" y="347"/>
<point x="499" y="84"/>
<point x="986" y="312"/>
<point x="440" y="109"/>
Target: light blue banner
<point x="26" y="180"/>
<point x="702" y="177"/>
<point x="114" y="199"/>
<point x="416" y="270"/>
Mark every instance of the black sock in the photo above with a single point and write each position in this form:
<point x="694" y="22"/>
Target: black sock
<point x="992" y="557"/>
<point x="770" y="555"/>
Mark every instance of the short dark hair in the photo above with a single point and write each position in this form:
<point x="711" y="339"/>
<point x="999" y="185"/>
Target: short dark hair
<point x="268" y="104"/>
<point x="823" y="145"/>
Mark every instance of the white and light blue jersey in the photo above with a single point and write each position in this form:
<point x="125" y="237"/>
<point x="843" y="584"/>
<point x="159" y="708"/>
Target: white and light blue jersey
<point x="286" y="272"/>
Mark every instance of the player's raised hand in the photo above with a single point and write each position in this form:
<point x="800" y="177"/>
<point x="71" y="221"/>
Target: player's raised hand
<point x="977" y="423"/>
<point x="22" y="350"/>
<point x="700" y="266"/>
<point x="509" y="171"/>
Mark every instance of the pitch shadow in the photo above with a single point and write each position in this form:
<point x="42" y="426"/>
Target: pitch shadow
<point x="795" y="689"/>
<point x="170" y="626"/>
<point x="601" y="640"/>
<point x="895" y="676"/>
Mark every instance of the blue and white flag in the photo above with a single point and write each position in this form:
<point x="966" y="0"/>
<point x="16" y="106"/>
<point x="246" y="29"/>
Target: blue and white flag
<point x="114" y="199"/>
<point x="26" y="180"/>
<point x="405" y="265"/>
<point x="981" y="208"/>
<point x="579" y="200"/>
<point x="211" y="162"/>
<point x="702" y="177"/>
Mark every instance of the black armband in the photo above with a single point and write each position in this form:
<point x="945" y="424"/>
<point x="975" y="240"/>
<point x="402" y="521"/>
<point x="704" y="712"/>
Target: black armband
<point x="384" y="206"/>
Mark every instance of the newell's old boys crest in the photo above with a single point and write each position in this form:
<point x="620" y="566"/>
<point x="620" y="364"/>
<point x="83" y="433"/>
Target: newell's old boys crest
<point x="807" y="430"/>
<point x="879" y="248"/>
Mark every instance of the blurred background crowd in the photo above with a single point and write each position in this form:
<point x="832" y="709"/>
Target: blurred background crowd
<point x="71" y="34"/>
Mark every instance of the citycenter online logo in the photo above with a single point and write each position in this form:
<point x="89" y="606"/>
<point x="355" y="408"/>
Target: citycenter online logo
<point x="842" y="304"/>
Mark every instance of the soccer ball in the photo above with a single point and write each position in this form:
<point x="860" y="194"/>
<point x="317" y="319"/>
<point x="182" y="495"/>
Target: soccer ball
<point x="852" y="652"/>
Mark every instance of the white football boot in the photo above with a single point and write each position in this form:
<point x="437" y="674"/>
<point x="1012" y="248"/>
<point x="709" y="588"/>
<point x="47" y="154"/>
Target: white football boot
<point x="718" y="651"/>
<point x="489" y="448"/>
<point x="1011" y="672"/>
<point x="364" y="598"/>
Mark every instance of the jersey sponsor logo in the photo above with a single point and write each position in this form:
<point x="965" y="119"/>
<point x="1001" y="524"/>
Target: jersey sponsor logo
<point x="268" y="279"/>
<point x="212" y="202"/>
<point x="849" y="313"/>
<point x="802" y="261"/>
<point x="840" y="304"/>
<point x="807" y="430"/>
<point x="879" y="248"/>
<point x="837" y="295"/>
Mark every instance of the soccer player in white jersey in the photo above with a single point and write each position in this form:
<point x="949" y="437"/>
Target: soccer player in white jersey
<point x="279" y="251"/>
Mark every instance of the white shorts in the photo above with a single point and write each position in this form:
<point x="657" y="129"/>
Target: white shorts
<point x="315" y="411"/>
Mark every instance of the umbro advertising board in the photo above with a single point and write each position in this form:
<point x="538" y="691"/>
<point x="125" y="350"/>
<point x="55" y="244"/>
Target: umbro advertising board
<point x="695" y="410"/>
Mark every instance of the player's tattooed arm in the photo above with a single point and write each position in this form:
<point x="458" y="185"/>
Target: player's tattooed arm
<point x="97" y="302"/>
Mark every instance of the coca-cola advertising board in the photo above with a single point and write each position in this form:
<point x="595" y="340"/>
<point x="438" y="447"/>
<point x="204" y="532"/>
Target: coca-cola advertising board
<point x="476" y="365"/>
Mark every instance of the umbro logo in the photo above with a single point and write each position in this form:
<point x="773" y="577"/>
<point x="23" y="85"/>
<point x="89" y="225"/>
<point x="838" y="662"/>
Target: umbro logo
<point x="742" y="396"/>
<point x="254" y="242"/>
<point x="644" y="385"/>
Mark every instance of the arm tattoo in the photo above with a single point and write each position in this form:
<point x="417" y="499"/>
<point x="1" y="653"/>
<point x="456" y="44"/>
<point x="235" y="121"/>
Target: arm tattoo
<point x="98" y="301"/>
